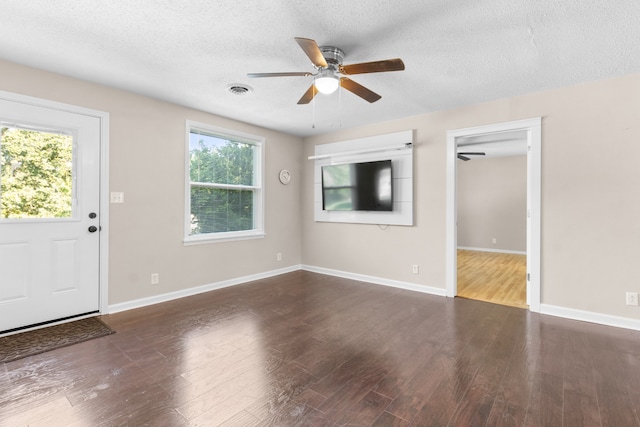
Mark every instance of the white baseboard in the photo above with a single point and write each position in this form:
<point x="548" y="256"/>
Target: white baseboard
<point x="551" y="310"/>
<point x="377" y="280"/>
<point x="156" y="299"/>
<point x="589" y="316"/>
<point x="502" y="251"/>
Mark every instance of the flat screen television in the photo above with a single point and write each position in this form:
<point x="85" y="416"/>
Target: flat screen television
<point x="357" y="187"/>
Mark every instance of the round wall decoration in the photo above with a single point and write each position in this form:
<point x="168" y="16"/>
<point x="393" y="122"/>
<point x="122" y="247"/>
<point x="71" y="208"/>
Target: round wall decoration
<point x="285" y="176"/>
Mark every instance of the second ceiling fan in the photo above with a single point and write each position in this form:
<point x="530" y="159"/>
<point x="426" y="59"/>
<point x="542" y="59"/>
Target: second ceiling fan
<point x="330" y="73"/>
<point x="465" y="156"/>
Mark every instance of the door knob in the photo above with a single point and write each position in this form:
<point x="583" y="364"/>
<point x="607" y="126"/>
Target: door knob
<point x="93" y="229"/>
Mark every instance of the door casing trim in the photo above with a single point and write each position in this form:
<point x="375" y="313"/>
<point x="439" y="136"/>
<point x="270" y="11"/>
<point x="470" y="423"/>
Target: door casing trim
<point x="103" y="280"/>
<point x="533" y="126"/>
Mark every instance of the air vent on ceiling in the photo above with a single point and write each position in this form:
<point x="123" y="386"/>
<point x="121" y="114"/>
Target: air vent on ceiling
<point x="239" y="89"/>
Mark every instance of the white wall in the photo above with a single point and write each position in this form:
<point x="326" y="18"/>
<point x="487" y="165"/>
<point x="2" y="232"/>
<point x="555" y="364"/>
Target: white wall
<point x="590" y="209"/>
<point x="147" y="164"/>
<point x="492" y="203"/>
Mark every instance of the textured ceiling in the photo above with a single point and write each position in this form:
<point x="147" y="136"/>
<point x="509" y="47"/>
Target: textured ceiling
<point x="456" y="52"/>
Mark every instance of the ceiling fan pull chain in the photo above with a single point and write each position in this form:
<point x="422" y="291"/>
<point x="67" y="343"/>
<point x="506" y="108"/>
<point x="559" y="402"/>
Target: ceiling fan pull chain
<point x="313" y="100"/>
<point x="339" y="107"/>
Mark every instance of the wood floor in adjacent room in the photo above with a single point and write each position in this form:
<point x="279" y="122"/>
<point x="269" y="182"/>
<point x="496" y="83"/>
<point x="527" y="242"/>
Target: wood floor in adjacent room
<point x="494" y="277"/>
<point x="303" y="349"/>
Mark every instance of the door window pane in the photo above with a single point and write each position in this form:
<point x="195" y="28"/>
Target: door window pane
<point x="36" y="173"/>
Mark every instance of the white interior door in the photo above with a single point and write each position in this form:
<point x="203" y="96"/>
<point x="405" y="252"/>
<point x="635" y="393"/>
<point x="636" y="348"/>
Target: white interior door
<point x="50" y="217"/>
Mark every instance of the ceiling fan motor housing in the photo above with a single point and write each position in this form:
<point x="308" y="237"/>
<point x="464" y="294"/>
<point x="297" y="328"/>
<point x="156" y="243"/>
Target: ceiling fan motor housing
<point x="333" y="55"/>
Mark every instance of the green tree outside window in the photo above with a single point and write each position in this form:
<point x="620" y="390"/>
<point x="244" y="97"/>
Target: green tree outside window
<point x="222" y="180"/>
<point x="35" y="174"/>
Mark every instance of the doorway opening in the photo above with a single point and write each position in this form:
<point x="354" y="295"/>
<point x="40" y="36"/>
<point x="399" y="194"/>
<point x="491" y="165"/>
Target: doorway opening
<point x="498" y="140"/>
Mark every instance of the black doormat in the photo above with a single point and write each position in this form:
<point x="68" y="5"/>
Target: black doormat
<point x="17" y="346"/>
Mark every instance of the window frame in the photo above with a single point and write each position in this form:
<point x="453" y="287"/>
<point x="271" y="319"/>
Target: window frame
<point x="73" y="198"/>
<point x="257" y="188"/>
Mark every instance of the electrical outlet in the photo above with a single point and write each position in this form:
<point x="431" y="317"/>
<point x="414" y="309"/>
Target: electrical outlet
<point x="415" y="269"/>
<point x="278" y="256"/>
<point x="494" y="240"/>
<point x="632" y="298"/>
<point x="155" y="278"/>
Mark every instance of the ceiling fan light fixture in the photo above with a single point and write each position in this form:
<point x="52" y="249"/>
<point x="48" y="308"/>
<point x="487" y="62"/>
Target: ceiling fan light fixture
<point x="327" y="82"/>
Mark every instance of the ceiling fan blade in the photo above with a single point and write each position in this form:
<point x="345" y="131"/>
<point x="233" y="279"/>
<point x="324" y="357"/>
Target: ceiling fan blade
<point x="308" y="95"/>
<point x="312" y="50"/>
<point x="477" y="153"/>
<point x="461" y="157"/>
<point x="291" y="74"/>
<point x="373" y="67"/>
<point x="358" y="89"/>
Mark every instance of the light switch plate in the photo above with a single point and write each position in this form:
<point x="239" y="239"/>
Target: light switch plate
<point x="117" y="197"/>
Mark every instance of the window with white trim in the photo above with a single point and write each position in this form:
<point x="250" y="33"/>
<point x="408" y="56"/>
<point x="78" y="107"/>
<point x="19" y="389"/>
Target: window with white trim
<point x="224" y="197"/>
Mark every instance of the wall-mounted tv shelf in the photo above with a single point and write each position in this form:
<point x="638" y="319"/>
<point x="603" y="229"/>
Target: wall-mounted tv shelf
<point x="397" y="147"/>
<point x="364" y="151"/>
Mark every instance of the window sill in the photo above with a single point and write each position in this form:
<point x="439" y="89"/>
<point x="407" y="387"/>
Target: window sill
<point x="223" y="237"/>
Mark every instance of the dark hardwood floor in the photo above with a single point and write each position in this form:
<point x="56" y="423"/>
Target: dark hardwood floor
<point x="304" y="349"/>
